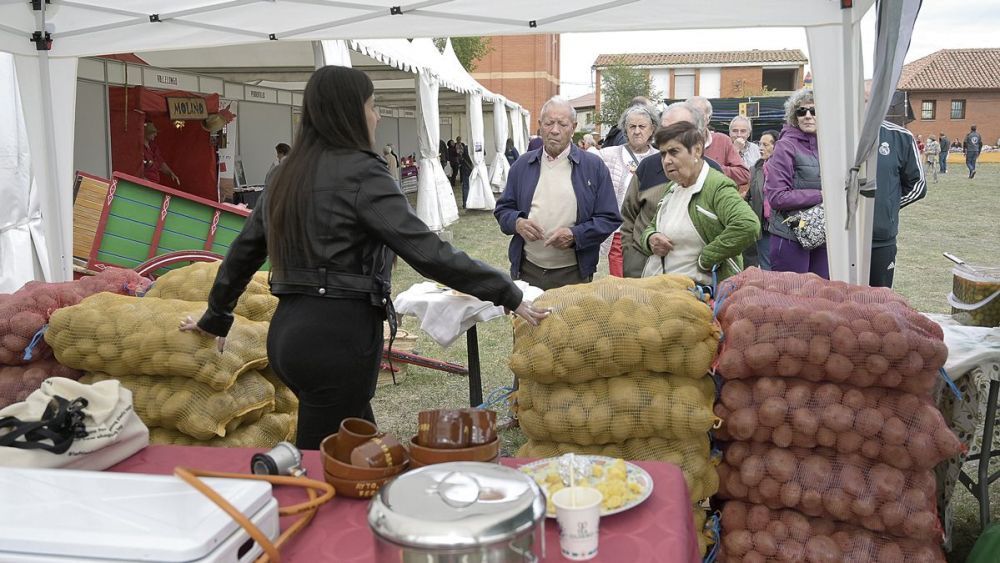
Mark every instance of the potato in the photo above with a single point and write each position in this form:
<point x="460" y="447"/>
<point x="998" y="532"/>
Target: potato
<point x="773" y="411"/>
<point x="783" y="436"/>
<point x="742" y="423"/>
<point x="804" y="422"/>
<point x="819" y="349"/>
<point x="762" y="357"/>
<point x="838" y="418"/>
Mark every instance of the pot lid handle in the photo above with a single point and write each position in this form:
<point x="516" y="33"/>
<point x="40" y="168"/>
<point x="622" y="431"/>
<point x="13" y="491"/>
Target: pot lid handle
<point x="458" y="490"/>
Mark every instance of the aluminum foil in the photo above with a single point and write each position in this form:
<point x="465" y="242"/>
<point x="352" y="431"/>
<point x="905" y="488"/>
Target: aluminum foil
<point x="580" y="467"/>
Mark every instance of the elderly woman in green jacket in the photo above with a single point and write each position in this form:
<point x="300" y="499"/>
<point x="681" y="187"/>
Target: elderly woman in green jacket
<point x="702" y="223"/>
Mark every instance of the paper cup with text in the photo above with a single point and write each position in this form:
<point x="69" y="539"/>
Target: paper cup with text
<point x="578" y="521"/>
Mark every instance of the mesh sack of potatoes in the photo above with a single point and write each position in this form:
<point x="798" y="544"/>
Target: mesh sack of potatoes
<point x="752" y="532"/>
<point x="615" y="326"/>
<point x="270" y="429"/>
<point x="807" y="285"/>
<point x="17" y="382"/>
<point x="194" y="282"/>
<point x="25" y="311"/>
<point x="830" y="338"/>
<point x="615" y="409"/>
<point x="284" y="400"/>
<point x="903" y="430"/>
<point x="121" y="335"/>
<point x="691" y="456"/>
<point x="702" y="529"/>
<point x="180" y="403"/>
<point x="822" y="483"/>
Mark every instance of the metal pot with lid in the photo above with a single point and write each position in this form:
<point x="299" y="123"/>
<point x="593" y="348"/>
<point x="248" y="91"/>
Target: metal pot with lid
<point x="460" y="512"/>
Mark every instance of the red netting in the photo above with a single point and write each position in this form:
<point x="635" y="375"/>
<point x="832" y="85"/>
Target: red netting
<point x="820" y="331"/>
<point x="17" y="382"/>
<point x="823" y="483"/>
<point x="25" y="311"/>
<point x="753" y="533"/>
<point x="904" y="430"/>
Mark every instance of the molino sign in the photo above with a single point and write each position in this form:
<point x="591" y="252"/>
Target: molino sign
<point x="187" y="108"/>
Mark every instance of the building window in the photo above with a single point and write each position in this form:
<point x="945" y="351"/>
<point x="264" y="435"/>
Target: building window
<point x="683" y="83"/>
<point x="927" y="109"/>
<point x="780" y="79"/>
<point x="958" y="109"/>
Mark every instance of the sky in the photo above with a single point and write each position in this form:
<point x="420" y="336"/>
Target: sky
<point x="941" y="24"/>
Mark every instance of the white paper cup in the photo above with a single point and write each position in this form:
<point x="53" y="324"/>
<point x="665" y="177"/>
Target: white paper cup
<point x="578" y="523"/>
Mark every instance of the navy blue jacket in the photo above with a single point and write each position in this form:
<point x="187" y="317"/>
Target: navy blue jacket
<point x="597" y="213"/>
<point x="899" y="180"/>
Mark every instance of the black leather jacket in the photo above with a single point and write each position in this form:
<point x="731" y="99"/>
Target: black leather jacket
<point x="357" y="212"/>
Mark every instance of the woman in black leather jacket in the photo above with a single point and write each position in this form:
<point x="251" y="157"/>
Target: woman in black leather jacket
<point x="328" y="224"/>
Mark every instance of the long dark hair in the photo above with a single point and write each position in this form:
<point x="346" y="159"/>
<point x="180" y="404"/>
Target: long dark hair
<point x="333" y="117"/>
<point x="510" y="145"/>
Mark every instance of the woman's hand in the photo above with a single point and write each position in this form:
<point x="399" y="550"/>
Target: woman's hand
<point x="660" y="244"/>
<point x="530" y="314"/>
<point x="190" y="325"/>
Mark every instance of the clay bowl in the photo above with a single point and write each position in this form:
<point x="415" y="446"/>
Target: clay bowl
<point x="356" y="488"/>
<point x="415" y="464"/>
<point x="341" y="470"/>
<point x="427" y="456"/>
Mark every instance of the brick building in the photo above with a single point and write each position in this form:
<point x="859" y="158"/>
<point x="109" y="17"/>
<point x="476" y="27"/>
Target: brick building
<point x="722" y="74"/>
<point x="953" y="89"/>
<point x="523" y="68"/>
<point x="584" y="106"/>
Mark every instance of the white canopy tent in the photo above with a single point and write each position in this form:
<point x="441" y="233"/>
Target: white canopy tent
<point x="48" y="38"/>
<point x="500" y="167"/>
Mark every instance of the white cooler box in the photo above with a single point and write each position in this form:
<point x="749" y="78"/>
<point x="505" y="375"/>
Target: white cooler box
<point x="57" y="516"/>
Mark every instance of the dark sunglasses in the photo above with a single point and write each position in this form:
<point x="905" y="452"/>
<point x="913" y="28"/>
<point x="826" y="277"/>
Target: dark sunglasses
<point x="801" y="112"/>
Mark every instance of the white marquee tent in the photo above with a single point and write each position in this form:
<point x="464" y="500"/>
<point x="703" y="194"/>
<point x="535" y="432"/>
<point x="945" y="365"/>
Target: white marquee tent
<point x="47" y="38"/>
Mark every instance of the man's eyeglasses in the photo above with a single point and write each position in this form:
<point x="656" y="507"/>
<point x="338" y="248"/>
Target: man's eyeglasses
<point x="801" y="112"/>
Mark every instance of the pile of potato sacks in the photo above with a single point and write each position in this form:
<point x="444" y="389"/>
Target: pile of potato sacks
<point x="183" y="389"/>
<point x="620" y="368"/>
<point x="832" y="432"/>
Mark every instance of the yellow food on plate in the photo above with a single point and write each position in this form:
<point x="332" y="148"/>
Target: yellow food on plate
<point x="610" y="478"/>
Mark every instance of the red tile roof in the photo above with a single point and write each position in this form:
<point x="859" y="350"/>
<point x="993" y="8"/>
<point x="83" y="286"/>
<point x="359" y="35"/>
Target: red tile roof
<point x="953" y="69"/>
<point x="584" y="101"/>
<point x="704" y="58"/>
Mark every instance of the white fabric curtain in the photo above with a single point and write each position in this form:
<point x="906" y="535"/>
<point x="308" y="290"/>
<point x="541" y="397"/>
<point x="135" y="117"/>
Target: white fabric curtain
<point x="435" y="198"/>
<point x="331" y="52"/>
<point x="525" y="127"/>
<point x="480" y="194"/>
<point x="498" y="174"/>
<point x="48" y="98"/>
<point x="23" y="256"/>
<point x="515" y="130"/>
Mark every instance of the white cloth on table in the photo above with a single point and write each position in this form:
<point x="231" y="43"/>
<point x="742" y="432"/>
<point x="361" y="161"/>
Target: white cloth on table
<point x="445" y="314"/>
<point x="968" y="346"/>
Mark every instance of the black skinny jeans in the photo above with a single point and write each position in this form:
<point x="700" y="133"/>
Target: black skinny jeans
<point x="328" y="352"/>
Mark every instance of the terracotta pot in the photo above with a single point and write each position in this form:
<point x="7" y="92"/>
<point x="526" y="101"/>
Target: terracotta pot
<point x="482" y="426"/>
<point x="427" y="456"/>
<point x="380" y="451"/>
<point x="353" y="432"/>
<point x="343" y="470"/>
<point x="353" y="488"/>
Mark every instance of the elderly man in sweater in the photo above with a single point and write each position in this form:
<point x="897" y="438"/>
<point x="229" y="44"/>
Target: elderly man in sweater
<point x="720" y="148"/>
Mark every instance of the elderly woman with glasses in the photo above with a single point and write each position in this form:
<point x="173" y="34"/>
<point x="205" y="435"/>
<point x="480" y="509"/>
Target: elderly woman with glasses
<point x="793" y="184"/>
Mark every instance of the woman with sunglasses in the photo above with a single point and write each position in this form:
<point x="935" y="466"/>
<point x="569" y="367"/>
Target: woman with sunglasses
<point x="793" y="184"/>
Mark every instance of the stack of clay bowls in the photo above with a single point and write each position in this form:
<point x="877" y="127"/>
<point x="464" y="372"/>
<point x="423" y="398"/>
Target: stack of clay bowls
<point x="358" y="460"/>
<point x="455" y="435"/>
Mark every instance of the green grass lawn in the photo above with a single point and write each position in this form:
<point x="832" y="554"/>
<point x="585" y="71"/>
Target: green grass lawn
<point x="958" y="215"/>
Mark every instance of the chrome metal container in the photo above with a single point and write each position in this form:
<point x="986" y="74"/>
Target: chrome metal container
<point x="460" y="512"/>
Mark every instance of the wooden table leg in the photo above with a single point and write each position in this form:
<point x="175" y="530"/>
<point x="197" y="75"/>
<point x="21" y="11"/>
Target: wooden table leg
<point x="475" y="377"/>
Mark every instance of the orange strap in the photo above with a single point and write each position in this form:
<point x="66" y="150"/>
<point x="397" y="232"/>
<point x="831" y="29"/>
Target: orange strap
<point x="271" y="555"/>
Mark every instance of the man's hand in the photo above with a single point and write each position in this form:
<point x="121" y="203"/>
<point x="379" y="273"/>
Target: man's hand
<point x="740" y="144"/>
<point x="561" y="238"/>
<point x="190" y="325"/>
<point x="660" y="244"/>
<point x="529" y="229"/>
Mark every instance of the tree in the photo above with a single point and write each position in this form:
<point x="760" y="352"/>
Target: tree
<point x="619" y="84"/>
<point x="467" y="49"/>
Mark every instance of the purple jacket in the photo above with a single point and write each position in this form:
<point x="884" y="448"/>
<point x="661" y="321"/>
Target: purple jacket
<point x="792" y="180"/>
<point x="597" y="213"/>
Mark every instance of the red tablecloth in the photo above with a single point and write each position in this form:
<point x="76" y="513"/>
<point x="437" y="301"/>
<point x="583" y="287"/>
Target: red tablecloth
<point x="660" y="529"/>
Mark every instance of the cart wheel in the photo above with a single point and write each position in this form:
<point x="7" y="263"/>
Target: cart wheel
<point x="153" y="264"/>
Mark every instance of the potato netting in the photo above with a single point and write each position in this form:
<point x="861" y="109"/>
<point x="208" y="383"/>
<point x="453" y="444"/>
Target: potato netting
<point x="194" y="282"/>
<point x="903" y="430"/>
<point x="264" y="433"/>
<point x="822" y="483"/>
<point x="808" y="285"/>
<point x="754" y="533"/>
<point x="701" y="530"/>
<point x="691" y="456"/>
<point x="25" y="311"/>
<point x="615" y="326"/>
<point x="636" y="405"/>
<point x="284" y="400"/>
<point x="180" y="403"/>
<point x="17" y="382"/>
<point x="125" y="336"/>
<point x="857" y="336"/>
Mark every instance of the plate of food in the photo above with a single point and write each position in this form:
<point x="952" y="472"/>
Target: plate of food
<point x="623" y="484"/>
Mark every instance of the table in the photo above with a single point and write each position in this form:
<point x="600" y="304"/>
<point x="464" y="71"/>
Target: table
<point x="649" y="532"/>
